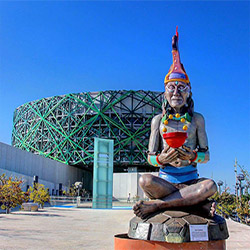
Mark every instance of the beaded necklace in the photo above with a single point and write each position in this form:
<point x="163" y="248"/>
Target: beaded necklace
<point x="177" y="117"/>
<point x="175" y="139"/>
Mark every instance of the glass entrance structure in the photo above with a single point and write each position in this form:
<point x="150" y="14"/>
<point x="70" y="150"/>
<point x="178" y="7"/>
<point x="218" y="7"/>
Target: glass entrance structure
<point x="103" y="173"/>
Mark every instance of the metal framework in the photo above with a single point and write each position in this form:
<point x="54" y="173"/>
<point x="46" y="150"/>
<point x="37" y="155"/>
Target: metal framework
<point x="63" y="127"/>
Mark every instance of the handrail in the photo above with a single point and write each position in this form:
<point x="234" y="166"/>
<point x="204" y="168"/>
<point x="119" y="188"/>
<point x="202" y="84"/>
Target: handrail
<point x="68" y="199"/>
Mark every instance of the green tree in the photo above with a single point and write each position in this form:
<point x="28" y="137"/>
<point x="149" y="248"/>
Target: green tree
<point x="226" y="202"/>
<point x="39" y="194"/>
<point x="11" y="194"/>
<point x="72" y="192"/>
<point x="229" y="204"/>
<point x="243" y="208"/>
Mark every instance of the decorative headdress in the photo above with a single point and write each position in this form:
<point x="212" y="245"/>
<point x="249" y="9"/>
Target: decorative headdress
<point x="176" y="71"/>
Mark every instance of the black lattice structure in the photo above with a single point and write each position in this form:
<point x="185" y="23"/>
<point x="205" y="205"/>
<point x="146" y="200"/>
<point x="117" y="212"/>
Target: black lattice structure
<point x="63" y="127"/>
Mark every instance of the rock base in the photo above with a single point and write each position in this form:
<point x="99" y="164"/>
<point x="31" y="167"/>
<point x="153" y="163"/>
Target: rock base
<point x="32" y="207"/>
<point x="174" y="227"/>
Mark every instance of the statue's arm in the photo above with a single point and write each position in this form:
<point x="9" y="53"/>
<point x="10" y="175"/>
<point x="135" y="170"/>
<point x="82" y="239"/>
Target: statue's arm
<point x="203" y="152"/>
<point x="154" y="139"/>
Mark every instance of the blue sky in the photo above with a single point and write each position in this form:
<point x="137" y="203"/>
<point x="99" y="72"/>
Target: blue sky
<point x="55" y="48"/>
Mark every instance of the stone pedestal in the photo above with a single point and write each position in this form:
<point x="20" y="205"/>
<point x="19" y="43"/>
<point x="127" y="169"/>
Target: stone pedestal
<point x="33" y="207"/>
<point x="173" y="227"/>
<point x="171" y="230"/>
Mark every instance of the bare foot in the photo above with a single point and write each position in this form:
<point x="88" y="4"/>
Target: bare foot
<point x="213" y="209"/>
<point x="143" y="209"/>
<point x="206" y="209"/>
<point x="209" y="208"/>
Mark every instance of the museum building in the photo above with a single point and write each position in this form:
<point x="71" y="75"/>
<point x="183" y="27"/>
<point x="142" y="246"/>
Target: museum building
<point x="63" y="128"/>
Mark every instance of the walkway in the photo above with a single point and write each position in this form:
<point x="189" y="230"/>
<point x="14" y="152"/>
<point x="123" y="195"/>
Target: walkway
<point x="76" y="228"/>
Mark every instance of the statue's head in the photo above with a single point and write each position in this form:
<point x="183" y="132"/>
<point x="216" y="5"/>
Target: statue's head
<point x="177" y="94"/>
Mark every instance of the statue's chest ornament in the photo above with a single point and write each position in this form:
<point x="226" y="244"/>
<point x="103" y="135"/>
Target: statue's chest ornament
<point x="176" y="139"/>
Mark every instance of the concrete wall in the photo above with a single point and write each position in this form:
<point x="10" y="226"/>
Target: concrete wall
<point x="23" y="164"/>
<point x="20" y="163"/>
<point x="125" y="183"/>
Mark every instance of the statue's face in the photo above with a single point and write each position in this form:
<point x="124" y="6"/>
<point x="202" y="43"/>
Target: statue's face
<point x="177" y="94"/>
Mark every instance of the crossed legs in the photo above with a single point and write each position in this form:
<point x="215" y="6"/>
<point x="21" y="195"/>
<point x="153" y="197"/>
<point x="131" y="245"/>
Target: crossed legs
<point x="165" y="195"/>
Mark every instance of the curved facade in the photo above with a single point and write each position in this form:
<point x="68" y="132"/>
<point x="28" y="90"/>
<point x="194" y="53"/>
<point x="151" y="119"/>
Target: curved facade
<point x="63" y="127"/>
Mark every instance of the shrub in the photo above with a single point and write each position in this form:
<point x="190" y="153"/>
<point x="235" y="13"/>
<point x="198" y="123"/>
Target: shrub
<point x="11" y="194"/>
<point x="39" y="194"/>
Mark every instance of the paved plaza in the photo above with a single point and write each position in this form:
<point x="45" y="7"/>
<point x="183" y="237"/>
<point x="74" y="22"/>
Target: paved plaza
<point x="81" y="228"/>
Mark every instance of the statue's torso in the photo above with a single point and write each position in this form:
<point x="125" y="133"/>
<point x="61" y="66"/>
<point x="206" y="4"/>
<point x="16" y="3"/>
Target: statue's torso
<point x="177" y="126"/>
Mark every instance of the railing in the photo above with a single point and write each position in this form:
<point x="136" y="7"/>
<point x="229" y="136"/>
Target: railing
<point x="86" y="201"/>
<point x="63" y="200"/>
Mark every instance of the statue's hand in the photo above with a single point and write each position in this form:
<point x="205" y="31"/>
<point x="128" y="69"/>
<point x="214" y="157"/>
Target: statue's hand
<point x="168" y="155"/>
<point x="185" y="153"/>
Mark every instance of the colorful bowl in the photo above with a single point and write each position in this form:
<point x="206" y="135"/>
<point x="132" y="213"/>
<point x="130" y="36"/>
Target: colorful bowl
<point x="175" y="139"/>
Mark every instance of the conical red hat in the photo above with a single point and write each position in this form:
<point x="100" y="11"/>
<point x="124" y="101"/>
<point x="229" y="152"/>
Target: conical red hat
<point x="176" y="71"/>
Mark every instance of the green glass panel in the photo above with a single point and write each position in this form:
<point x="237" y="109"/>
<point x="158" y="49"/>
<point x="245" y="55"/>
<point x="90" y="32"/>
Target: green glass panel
<point x="103" y="173"/>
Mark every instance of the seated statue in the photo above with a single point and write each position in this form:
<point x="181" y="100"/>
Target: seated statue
<point x="178" y="141"/>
